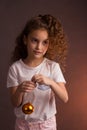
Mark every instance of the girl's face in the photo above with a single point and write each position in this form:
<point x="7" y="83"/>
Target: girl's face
<point x="37" y="43"/>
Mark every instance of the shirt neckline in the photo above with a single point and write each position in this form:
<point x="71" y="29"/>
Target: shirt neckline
<point x="36" y="67"/>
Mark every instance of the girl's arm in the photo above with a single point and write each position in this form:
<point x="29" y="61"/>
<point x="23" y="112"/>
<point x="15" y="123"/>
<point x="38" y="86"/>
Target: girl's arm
<point x="16" y="96"/>
<point x="17" y="92"/>
<point x="58" y="88"/>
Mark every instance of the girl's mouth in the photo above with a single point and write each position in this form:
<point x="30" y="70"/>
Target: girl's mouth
<point x="37" y="52"/>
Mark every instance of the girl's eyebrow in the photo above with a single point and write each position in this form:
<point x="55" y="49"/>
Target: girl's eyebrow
<point x="32" y="37"/>
<point x="45" y="39"/>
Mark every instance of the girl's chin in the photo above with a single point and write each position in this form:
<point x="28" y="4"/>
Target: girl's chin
<point x="38" y="56"/>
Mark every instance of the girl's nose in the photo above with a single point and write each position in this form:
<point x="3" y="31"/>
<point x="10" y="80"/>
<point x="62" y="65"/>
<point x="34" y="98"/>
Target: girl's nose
<point x="39" y="45"/>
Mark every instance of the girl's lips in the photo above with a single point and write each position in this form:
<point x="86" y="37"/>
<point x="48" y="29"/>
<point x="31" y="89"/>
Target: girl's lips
<point x="37" y="52"/>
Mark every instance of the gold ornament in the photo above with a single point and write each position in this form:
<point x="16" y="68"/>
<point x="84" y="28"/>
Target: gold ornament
<point x="28" y="108"/>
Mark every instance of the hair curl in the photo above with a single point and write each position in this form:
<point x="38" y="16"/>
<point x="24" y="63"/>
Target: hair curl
<point x="57" y="50"/>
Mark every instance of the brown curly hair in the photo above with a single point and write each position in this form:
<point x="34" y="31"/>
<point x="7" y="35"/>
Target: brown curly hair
<point x="57" y="50"/>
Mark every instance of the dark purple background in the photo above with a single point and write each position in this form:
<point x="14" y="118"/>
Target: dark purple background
<point x="72" y="13"/>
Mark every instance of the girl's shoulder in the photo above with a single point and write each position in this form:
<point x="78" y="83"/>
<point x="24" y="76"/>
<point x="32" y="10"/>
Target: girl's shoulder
<point x="16" y="64"/>
<point x="51" y="62"/>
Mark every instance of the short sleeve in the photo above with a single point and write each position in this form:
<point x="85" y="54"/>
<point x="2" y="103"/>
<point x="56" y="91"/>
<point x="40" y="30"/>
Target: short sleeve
<point x="12" y="77"/>
<point x="57" y="73"/>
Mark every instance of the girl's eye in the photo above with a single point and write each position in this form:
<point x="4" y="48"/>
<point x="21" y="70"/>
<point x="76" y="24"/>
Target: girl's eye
<point x="34" y="40"/>
<point x="46" y="42"/>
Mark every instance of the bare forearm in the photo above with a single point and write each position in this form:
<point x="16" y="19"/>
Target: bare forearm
<point x="17" y="92"/>
<point x="59" y="90"/>
<point x="17" y="98"/>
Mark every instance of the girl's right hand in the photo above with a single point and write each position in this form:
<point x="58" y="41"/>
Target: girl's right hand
<point x="27" y="86"/>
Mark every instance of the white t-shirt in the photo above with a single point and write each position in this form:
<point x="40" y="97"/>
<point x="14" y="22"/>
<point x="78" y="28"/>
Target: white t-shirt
<point x="42" y="97"/>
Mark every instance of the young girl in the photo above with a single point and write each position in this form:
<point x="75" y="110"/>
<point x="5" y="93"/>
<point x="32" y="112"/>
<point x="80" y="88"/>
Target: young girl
<point x="35" y="79"/>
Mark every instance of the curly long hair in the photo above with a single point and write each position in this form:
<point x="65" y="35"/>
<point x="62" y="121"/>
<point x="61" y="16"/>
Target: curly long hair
<point x="58" y="46"/>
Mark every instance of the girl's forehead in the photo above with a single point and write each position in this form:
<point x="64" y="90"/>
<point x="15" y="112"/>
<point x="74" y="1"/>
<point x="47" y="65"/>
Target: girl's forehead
<point x="39" y="32"/>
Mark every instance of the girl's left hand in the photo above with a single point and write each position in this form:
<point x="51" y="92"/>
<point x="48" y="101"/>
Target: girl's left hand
<point x="41" y="79"/>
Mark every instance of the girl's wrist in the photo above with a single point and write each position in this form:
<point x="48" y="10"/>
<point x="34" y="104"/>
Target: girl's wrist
<point x="52" y="82"/>
<point x="19" y="92"/>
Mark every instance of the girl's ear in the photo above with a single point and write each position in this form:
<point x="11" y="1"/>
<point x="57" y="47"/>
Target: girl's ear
<point x="25" y="40"/>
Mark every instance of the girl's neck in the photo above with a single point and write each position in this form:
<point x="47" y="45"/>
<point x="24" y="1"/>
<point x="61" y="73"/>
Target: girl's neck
<point x="33" y="62"/>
